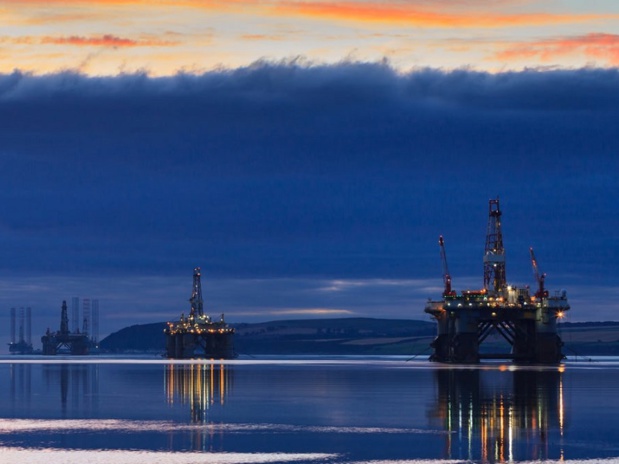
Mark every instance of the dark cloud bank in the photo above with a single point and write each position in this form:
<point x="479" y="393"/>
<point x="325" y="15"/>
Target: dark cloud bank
<point x="282" y="170"/>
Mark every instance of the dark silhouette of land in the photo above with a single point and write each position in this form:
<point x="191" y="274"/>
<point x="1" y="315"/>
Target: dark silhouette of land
<point x="362" y="336"/>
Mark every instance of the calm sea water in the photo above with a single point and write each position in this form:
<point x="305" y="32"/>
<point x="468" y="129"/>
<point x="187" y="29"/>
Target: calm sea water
<point x="315" y="410"/>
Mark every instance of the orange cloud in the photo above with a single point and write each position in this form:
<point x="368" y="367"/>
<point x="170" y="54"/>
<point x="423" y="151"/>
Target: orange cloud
<point x="148" y="3"/>
<point x="421" y="17"/>
<point x="106" y="40"/>
<point x="599" y="46"/>
<point x="18" y="40"/>
<point x="413" y="13"/>
<point x="73" y="2"/>
<point x="271" y="37"/>
<point x="311" y="311"/>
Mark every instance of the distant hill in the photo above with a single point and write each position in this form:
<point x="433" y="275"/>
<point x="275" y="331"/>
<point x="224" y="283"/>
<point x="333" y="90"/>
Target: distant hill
<point x="353" y="336"/>
<point x="335" y="336"/>
<point x="142" y="337"/>
<point x="590" y="338"/>
<point x="308" y="336"/>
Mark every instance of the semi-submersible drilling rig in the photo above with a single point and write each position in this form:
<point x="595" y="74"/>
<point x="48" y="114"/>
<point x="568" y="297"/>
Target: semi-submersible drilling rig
<point x="528" y="322"/>
<point x="64" y="340"/>
<point x="197" y="335"/>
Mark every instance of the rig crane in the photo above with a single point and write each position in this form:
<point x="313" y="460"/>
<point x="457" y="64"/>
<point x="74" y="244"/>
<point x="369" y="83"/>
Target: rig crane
<point x="446" y="276"/>
<point x="539" y="278"/>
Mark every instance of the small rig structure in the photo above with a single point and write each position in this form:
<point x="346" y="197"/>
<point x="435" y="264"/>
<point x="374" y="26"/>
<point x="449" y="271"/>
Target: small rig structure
<point x="197" y="336"/>
<point x="64" y="341"/>
<point x="23" y="345"/>
<point x="527" y="322"/>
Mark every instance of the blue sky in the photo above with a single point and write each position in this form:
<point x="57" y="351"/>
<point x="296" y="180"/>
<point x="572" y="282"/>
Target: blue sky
<point x="302" y="190"/>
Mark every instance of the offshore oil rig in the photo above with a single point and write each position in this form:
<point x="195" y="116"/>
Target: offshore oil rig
<point x="23" y="344"/>
<point x="64" y="340"/>
<point x="197" y="336"/>
<point x="528" y="322"/>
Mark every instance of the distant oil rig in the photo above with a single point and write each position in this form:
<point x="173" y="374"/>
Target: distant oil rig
<point x="197" y="336"/>
<point x="63" y="341"/>
<point x="23" y="344"/>
<point x="527" y="322"/>
<point x="74" y="342"/>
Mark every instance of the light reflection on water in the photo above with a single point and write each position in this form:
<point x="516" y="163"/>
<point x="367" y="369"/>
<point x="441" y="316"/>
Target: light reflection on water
<point x="493" y="414"/>
<point x="197" y="385"/>
<point x="332" y="410"/>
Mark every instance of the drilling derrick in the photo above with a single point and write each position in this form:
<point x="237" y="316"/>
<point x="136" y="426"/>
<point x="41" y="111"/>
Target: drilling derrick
<point x="197" y="304"/>
<point x="528" y="323"/>
<point x="64" y="320"/>
<point x="197" y="336"/>
<point x="494" y="255"/>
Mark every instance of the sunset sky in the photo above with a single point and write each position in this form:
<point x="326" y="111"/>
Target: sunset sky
<point x="305" y="154"/>
<point x="107" y="37"/>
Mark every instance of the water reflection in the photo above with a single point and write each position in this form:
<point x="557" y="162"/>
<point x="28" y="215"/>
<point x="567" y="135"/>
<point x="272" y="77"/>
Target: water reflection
<point x="77" y="386"/>
<point x="78" y="383"/>
<point x="501" y="415"/>
<point x="199" y="385"/>
<point x="20" y="390"/>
